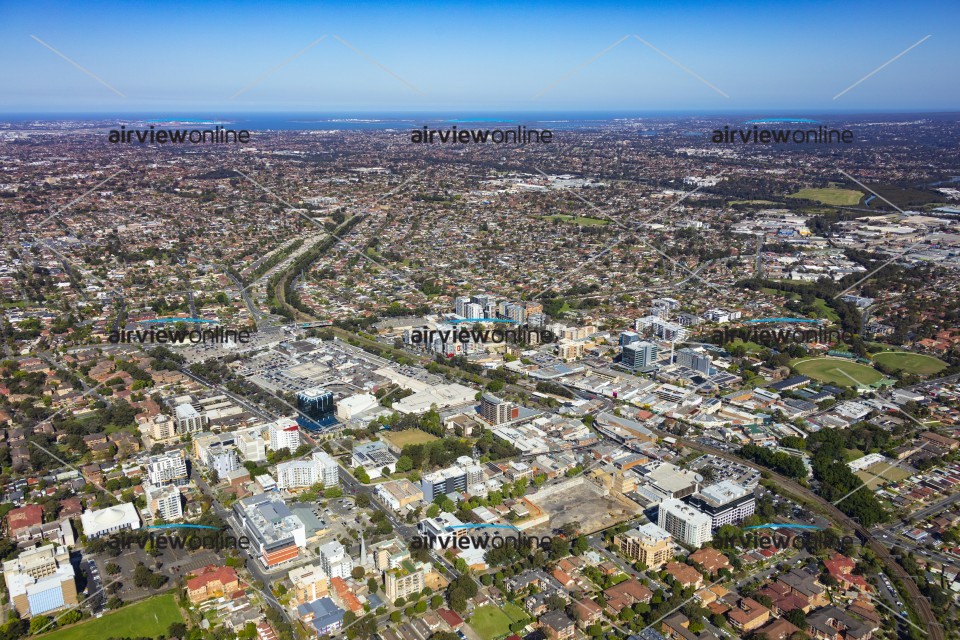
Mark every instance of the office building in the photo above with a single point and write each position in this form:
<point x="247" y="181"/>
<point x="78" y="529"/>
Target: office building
<point x="168" y="468"/>
<point x="460" y="306"/>
<point x="163" y="501"/>
<point x="639" y="355"/>
<point x="41" y="580"/>
<point x="318" y="405"/>
<point x="276" y="534"/>
<point x="335" y="561"/>
<point x="189" y="420"/>
<point x="695" y="360"/>
<point x="648" y="544"/>
<point x="497" y="411"/>
<point x="404" y="580"/>
<point x="629" y="337"/>
<point x="725" y="502"/>
<point x="686" y="524"/>
<point x="284" y="434"/>
<point x="121" y="517"/>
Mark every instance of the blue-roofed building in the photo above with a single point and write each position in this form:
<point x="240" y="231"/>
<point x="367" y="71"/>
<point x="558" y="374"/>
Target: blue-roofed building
<point x="322" y="614"/>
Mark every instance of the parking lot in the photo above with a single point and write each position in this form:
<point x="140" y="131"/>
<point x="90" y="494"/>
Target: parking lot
<point x="172" y="562"/>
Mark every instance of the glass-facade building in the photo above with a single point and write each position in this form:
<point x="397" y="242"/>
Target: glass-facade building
<point x="316" y="408"/>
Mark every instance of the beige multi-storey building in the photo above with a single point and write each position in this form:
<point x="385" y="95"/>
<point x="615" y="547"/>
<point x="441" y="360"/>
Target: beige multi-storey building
<point x="310" y="583"/>
<point x="404" y="580"/>
<point x="648" y="544"/>
<point x="41" y="580"/>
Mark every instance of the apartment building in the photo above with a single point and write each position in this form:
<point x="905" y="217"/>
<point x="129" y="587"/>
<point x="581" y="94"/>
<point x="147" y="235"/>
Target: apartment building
<point x="168" y="468"/>
<point x="686" y="524"/>
<point x="648" y="544"/>
<point x="404" y="580"/>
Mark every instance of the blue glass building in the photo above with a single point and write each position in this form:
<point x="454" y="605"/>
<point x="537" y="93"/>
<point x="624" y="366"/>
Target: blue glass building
<point x="316" y="408"/>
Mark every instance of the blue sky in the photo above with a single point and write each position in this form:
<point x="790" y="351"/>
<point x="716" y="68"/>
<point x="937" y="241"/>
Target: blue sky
<point x="185" y="57"/>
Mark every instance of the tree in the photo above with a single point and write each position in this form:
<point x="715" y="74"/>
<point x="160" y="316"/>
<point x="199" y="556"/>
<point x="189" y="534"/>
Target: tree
<point x="40" y="623"/>
<point x="433" y="511"/>
<point x="69" y="617"/>
<point x="797" y="618"/>
<point x="176" y="630"/>
<point x="361" y="475"/>
<point x="357" y="573"/>
<point x="404" y="464"/>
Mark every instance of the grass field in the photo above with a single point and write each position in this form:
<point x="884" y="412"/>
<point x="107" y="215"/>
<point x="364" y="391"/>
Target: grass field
<point x="490" y="622"/>
<point x="581" y="220"/>
<point x="910" y="362"/>
<point x="881" y="473"/>
<point x="149" y="618"/>
<point x="408" y="437"/>
<point x="843" y="373"/>
<point x="751" y="202"/>
<point x="830" y="195"/>
<point x="515" y="613"/>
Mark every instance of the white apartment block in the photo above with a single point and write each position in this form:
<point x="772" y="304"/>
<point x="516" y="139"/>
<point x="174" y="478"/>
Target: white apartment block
<point x="284" y="433"/>
<point x="163" y="501"/>
<point x="334" y="560"/>
<point x="189" y="420"/>
<point x="167" y="468"/>
<point x="251" y="445"/>
<point x="684" y="523"/>
<point x="304" y="473"/>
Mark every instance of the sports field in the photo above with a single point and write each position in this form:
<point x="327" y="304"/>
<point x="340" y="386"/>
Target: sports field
<point x="881" y="473"/>
<point x="401" y="439"/>
<point x="836" y="371"/>
<point x="829" y="195"/>
<point x="910" y="362"/>
<point x="490" y="622"/>
<point x="148" y="619"/>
